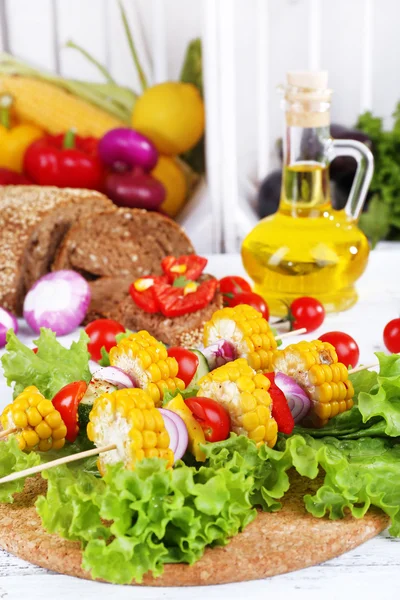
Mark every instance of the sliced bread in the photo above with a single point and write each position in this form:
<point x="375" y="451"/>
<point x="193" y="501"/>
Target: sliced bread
<point x="129" y="242"/>
<point x="33" y="222"/>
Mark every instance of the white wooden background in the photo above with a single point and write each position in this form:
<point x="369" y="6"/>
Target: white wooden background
<point x="249" y="45"/>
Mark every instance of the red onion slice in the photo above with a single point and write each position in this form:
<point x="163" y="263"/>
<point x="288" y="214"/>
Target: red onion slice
<point x="93" y="366"/>
<point x="7" y="321"/>
<point x="58" y="301"/>
<point x="182" y="432"/>
<point x="172" y="429"/>
<point x="115" y="376"/>
<point x="219" y="354"/>
<point x="298" y="401"/>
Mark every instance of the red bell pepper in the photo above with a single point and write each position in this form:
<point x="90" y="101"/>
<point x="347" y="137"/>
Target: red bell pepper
<point x="280" y="407"/>
<point x="9" y="177"/>
<point x="65" y="160"/>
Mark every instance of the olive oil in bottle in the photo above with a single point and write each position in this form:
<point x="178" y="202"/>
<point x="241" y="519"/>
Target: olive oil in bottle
<point x="307" y="247"/>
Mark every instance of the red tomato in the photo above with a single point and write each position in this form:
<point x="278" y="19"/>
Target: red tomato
<point x="232" y="285"/>
<point x="213" y="418"/>
<point x="66" y="402"/>
<point x="190" y="266"/>
<point x="346" y="347"/>
<point x="146" y="299"/>
<point x="35" y="350"/>
<point x="253" y="300"/>
<point x="391" y="335"/>
<point x="102" y="332"/>
<point x="187" y="363"/>
<point x="306" y="312"/>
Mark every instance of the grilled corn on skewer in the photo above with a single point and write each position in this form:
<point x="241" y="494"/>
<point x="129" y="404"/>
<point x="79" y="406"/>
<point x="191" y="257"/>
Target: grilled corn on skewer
<point x="147" y="361"/>
<point x="40" y="426"/>
<point x="128" y="419"/>
<point x="315" y="367"/>
<point x="244" y="394"/>
<point x="246" y="329"/>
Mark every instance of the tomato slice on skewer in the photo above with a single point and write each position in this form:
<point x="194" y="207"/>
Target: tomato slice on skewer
<point x="212" y="417"/>
<point x="66" y="402"/>
<point x="187" y="363"/>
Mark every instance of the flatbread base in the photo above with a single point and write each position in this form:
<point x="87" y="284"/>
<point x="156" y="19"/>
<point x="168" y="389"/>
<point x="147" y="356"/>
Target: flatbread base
<point x="272" y="544"/>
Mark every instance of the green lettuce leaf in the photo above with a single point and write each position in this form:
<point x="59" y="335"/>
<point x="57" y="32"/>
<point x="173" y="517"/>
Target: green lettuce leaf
<point x="156" y="515"/>
<point x="52" y="367"/>
<point x="13" y="459"/>
<point x="384" y="399"/>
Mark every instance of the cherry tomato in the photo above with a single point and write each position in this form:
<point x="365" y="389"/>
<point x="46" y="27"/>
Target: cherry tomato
<point x="253" y="300"/>
<point x="213" y="418"/>
<point x="66" y="402"/>
<point x="102" y="332"/>
<point x="391" y="336"/>
<point x="306" y="312"/>
<point x="232" y="285"/>
<point x="190" y="266"/>
<point x="187" y="363"/>
<point x="346" y="347"/>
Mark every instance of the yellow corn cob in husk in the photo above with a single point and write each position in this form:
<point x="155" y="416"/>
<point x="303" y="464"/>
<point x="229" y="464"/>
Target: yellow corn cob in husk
<point x="247" y="330"/>
<point x="244" y="394"/>
<point x="54" y="109"/>
<point x="128" y="419"/>
<point x="315" y="367"/>
<point x="147" y="361"/>
<point x="40" y="425"/>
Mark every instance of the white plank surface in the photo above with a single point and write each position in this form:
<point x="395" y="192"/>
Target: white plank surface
<point x="369" y="571"/>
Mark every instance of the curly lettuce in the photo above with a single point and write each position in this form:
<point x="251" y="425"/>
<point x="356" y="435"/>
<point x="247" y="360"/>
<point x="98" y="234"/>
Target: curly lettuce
<point x="52" y="367"/>
<point x="12" y="459"/>
<point x="155" y="515"/>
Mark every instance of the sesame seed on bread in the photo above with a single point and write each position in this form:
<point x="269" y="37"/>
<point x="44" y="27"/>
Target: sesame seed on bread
<point x="33" y="221"/>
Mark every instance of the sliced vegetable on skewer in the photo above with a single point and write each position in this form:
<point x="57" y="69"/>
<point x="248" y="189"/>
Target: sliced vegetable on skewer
<point x="247" y="331"/>
<point x="102" y="333"/>
<point x="346" y="347"/>
<point x="244" y="394"/>
<point x="37" y="424"/>
<point x="147" y="362"/>
<point x="66" y="401"/>
<point x="58" y="301"/>
<point x="315" y="367"/>
<point x="298" y="401"/>
<point x="280" y="408"/>
<point x="178" y="434"/>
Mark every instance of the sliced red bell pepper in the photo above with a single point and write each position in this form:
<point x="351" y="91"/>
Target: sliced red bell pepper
<point x="65" y="160"/>
<point x="280" y="407"/>
<point x="189" y="266"/>
<point x="145" y="299"/>
<point x="174" y="303"/>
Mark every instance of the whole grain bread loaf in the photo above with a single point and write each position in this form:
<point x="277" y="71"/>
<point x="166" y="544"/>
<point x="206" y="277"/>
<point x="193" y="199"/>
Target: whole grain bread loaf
<point x="127" y="243"/>
<point x="33" y="222"/>
<point x="106" y="294"/>
<point x="186" y="331"/>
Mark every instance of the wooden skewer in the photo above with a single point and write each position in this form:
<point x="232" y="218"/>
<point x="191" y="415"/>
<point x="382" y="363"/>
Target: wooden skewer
<point x="56" y="463"/>
<point x="283" y="336"/>
<point x="7" y="432"/>
<point x="363" y="368"/>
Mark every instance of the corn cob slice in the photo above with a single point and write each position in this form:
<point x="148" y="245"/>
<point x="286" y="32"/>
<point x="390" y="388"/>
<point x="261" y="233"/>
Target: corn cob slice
<point x="40" y="424"/>
<point x="315" y="367"/>
<point x="54" y="109"/>
<point x="128" y="419"/>
<point x="244" y="394"/>
<point x="147" y="361"/>
<point x="247" y="330"/>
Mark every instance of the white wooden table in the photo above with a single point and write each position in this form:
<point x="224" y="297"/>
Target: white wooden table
<point x="370" y="571"/>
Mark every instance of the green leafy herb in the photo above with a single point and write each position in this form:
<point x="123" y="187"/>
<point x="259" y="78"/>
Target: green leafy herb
<point x="52" y="367"/>
<point x="13" y="459"/>
<point x="156" y="515"/>
<point x="189" y="392"/>
<point x="383" y="216"/>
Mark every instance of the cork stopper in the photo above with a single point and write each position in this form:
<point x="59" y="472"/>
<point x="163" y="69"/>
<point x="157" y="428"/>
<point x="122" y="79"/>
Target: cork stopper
<point x="307" y="98"/>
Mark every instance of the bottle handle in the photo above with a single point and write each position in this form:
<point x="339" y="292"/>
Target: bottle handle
<point x="363" y="176"/>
